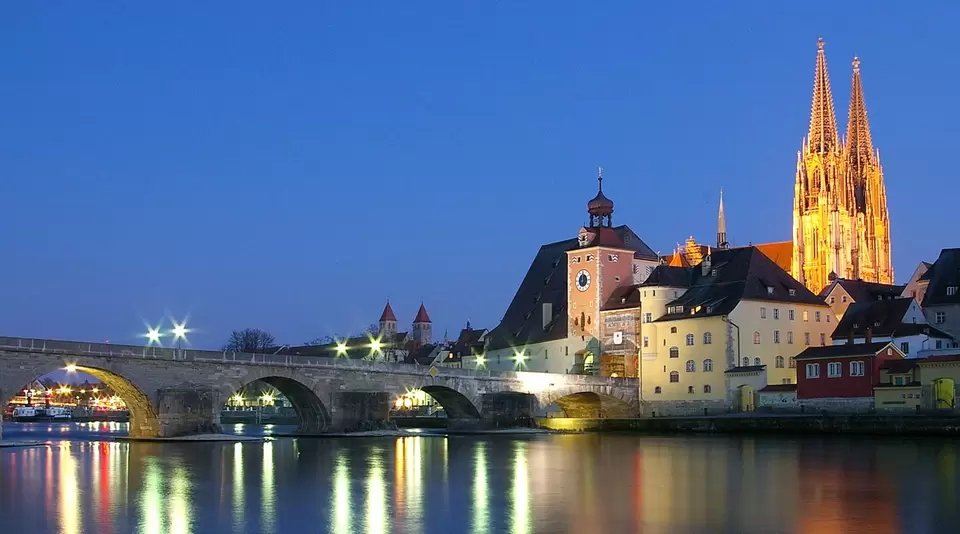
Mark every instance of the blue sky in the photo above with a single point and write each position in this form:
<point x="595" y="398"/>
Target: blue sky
<point x="291" y="166"/>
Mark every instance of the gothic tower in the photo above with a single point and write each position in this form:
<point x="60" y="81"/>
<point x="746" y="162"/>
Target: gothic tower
<point x="871" y="253"/>
<point x="422" y="327"/>
<point x="722" y="227"/>
<point x="388" y="324"/>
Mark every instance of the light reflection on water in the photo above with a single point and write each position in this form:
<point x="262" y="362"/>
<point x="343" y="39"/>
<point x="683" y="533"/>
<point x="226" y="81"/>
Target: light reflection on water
<point x="481" y="484"/>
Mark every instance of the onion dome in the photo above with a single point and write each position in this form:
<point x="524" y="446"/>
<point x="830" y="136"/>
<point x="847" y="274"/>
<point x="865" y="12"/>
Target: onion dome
<point x="600" y="207"/>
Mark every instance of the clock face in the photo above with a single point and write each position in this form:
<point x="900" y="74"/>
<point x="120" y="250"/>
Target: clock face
<point x="583" y="280"/>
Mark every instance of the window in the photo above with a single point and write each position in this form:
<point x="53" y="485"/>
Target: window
<point x="776" y="336"/>
<point x="612" y="257"/>
<point x="843" y="298"/>
<point x="813" y="370"/>
<point x="823" y="339"/>
<point x="648" y="317"/>
<point x="856" y="368"/>
<point x="940" y="318"/>
<point x="776" y="314"/>
<point x="834" y="370"/>
<point x="756" y="338"/>
<point x="707" y="365"/>
<point x="793" y="362"/>
<point x="816" y="316"/>
<point x="658" y="390"/>
<point x="905" y="347"/>
<point x="689" y="389"/>
<point x="793" y="292"/>
<point x="691" y="366"/>
<point x="654" y="293"/>
<point x="790" y="338"/>
<point x="674" y="352"/>
<point x="790" y="315"/>
<point x="746" y="362"/>
<point x="646" y="341"/>
<point x="589" y="257"/>
<point x="833" y="300"/>
<point x="763" y="312"/>
<point x="806" y="338"/>
<point x="806" y="316"/>
<point x="828" y="317"/>
<point x="706" y="388"/>
<point x="939" y="344"/>
<point x="673" y="329"/>
<point x="756" y="361"/>
<point x="675" y="295"/>
<point x="779" y="362"/>
<point x="951" y="291"/>
<point x="689" y="339"/>
<point x="787" y="381"/>
<point x="674" y="376"/>
<point x="769" y="290"/>
<point x="898" y="381"/>
<point x="707" y="338"/>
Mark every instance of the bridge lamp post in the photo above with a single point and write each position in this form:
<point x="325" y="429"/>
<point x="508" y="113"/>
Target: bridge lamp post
<point x="481" y="361"/>
<point x="153" y="336"/>
<point x="341" y="349"/>
<point x="519" y="357"/>
<point x="179" y="332"/>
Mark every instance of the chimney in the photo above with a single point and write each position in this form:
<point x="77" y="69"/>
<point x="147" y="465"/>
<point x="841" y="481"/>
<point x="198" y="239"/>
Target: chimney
<point x="706" y="264"/>
<point x="547" y="314"/>
<point x="869" y="335"/>
<point x="850" y="339"/>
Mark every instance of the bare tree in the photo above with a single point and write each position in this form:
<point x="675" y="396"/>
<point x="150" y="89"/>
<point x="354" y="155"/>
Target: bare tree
<point x="249" y="340"/>
<point x="325" y="340"/>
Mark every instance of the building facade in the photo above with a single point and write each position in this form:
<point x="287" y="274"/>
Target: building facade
<point x="841" y="227"/>
<point x="841" y="378"/>
<point x="940" y="286"/>
<point x="841" y="293"/>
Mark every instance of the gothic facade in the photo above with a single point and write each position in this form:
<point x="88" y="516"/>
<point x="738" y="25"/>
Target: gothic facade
<point x="841" y="228"/>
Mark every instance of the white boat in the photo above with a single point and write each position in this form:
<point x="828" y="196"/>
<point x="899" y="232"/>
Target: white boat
<point x="27" y="413"/>
<point x="59" y="413"/>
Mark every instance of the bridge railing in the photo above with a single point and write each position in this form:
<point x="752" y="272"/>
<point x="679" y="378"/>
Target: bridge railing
<point x="79" y="348"/>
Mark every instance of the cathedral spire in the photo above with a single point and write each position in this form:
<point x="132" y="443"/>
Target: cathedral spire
<point x="721" y="226"/>
<point x="822" y="137"/>
<point x="859" y="145"/>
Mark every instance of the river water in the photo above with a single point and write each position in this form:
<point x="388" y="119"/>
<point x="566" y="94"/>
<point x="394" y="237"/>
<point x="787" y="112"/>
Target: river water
<point x="82" y="481"/>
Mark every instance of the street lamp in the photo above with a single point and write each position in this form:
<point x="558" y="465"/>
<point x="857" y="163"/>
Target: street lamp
<point x="179" y="332"/>
<point x="153" y="336"/>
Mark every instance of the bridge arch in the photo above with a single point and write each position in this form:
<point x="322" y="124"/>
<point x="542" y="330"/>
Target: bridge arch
<point x="456" y="404"/>
<point x="591" y="405"/>
<point x="311" y="411"/>
<point x="144" y="421"/>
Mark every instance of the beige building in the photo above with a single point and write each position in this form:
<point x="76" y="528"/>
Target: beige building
<point x="736" y="318"/>
<point x="841" y="293"/>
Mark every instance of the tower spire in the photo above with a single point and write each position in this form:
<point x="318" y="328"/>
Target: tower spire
<point x="859" y="145"/>
<point x="721" y="226"/>
<point x="823" y="121"/>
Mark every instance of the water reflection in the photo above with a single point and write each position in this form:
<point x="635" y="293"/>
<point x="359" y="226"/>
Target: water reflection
<point x="479" y="485"/>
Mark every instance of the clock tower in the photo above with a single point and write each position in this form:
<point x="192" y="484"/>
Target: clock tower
<point x="599" y="265"/>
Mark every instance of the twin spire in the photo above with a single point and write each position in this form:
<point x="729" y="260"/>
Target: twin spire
<point x="823" y="136"/>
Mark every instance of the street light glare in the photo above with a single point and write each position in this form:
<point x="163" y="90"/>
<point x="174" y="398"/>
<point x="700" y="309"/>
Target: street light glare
<point x="71" y="368"/>
<point x="153" y="335"/>
<point x="179" y="330"/>
<point x="341" y="348"/>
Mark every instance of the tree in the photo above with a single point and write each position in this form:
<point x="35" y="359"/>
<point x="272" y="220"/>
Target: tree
<point x="325" y="340"/>
<point x="249" y="340"/>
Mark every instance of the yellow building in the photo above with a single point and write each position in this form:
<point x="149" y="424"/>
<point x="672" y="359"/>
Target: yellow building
<point x="734" y="319"/>
<point x="924" y="383"/>
<point x="841" y="227"/>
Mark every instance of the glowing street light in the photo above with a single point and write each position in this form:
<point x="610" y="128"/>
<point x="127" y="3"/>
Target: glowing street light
<point x="179" y="332"/>
<point x="376" y="345"/>
<point x="238" y="400"/>
<point x="341" y="349"/>
<point x="72" y="368"/>
<point x="481" y="361"/>
<point x="153" y="336"/>
<point x="519" y="357"/>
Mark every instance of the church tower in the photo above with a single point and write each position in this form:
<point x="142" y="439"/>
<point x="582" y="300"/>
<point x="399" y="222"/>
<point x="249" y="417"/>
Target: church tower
<point x="422" y="327"/>
<point x="839" y="203"/>
<point x="722" y="242"/>
<point x="388" y="324"/>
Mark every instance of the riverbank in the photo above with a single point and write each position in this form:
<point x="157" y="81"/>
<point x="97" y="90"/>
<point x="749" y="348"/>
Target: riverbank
<point x="885" y="425"/>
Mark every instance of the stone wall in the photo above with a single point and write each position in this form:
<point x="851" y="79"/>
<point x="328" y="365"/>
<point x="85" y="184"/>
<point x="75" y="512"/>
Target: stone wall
<point x="845" y="405"/>
<point x="684" y="408"/>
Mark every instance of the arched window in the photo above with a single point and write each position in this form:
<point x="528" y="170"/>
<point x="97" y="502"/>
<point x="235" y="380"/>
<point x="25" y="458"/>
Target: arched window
<point x="706" y="388"/>
<point x="673" y="329"/>
<point x="779" y="362"/>
<point x="707" y="338"/>
<point x="691" y="366"/>
<point x="756" y="361"/>
<point x="756" y="338"/>
<point x="658" y="390"/>
<point x="707" y="365"/>
<point x="689" y="339"/>
<point x="689" y="389"/>
<point x="746" y="362"/>
<point x="674" y="352"/>
<point x="793" y="362"/>
<point x="674" y="376"/>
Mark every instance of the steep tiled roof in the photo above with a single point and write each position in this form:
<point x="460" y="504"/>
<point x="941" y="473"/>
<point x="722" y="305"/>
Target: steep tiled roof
<point x="387" y="314"/>
<point x="469" y="340"/>
<point x="737" y="274"/>
<point x="840" y="351"/>
<point x="781" y="252"/>
<point x="357" y="348"/>
<point x="944" y="273"/>
<point x="665" y="275"/>
<point x="882" y="317"/>
<point x="861" y="291"/>
<point x="546" y="282"/>
<point x="423" y="355"/>
<point x="899" y="367"/>
<point x="422" y="316"/>
<point x="623" y="298"/>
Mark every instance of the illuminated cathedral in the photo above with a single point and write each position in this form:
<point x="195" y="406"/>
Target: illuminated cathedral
<point x="841" y="227"/>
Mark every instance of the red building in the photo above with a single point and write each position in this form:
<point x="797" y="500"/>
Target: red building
<point x="841" y="378"/>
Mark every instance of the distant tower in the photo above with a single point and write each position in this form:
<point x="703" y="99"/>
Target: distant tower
<point x="600" y="207"/>
<point x="422" y="327"/>
<point x="722" y="227"/>
<point x="388" y="324"/>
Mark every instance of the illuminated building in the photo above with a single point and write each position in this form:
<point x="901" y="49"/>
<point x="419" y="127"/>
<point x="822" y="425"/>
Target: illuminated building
<point x="577" y="309"/>
<point x="841" y="227"/>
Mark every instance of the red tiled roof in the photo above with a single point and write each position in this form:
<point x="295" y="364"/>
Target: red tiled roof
<point x="387" y="314"/>
<point x="780" y="252"/>
<point x="422" y="316"/>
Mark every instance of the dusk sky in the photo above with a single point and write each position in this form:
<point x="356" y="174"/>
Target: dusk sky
<point x="290" y="166"/>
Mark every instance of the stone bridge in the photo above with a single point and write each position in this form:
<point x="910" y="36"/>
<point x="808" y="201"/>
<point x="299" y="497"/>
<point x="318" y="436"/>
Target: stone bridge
<point x="173" y="392"/>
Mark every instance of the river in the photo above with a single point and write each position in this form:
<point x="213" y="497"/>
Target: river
<point x="83" y="481"/>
